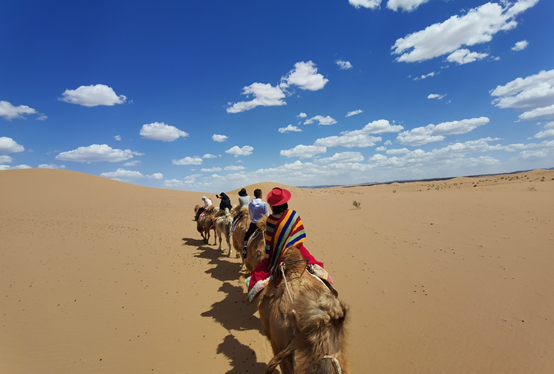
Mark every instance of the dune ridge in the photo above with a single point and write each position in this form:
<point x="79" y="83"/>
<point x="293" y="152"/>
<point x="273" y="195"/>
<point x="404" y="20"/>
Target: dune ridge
<point x="449" y="276"/>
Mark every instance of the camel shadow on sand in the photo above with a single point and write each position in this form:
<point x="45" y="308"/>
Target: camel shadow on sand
<point x="233" y="312"/>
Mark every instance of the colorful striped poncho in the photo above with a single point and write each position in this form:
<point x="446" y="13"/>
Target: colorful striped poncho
<point x="281" y="234"/>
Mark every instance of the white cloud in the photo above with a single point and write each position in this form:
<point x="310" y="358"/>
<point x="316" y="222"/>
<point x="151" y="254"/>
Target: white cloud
<point x="436" y="96"/>
<point x="161" y="131"/>
<point x="342" y="157"/>
<point x="5" y="159"/>
<point x="370" y="4"/>
<point x="539" y="113"/>
<point x="91" y="96"/>
<point x="234" y="168"/>
<point x="344" y="65"/>
<point x="407" y="5"/>
<point x="132" y="163"/>
<point x="305" y="76"/>
<point x="304" y="151"/>
<point x="219" y="138"/>
<point x="348" y="139"/>
<point x="520" y="46"/>
<point x="208" y="155"/>
<point x="434" y="133"/>
<point x="475" y="27"/>
<point x="353" y="113"/>
<point x="51" y="166"/>
<point x="388" y="142"/>
<point x="9" y="112"/>
<point x="533" y="94"/>
<point x="381" y="149"/>
<point x="210" y="170"/>
<point x="465" y="56"/>
<point x="42" y="117"/>
<point x="188" y="161"/>
<point x="97" y="153"/>
<point x="8" y="167"/>
<point x="237" y="151"/>
<point x="322" y="120"/>
<point x="185" y="182"/>
<point x="302" y="115"/>
<point x="398" y="151"/>
<point x="545" y="134"/>
<point x="431" y="74"/>
<point x="117" y="137"/>
<point x="289" y="128"/>
<point x="122" y="174"/>
<point x="8" y="145"/>
<point x="380" y="126"/>
<point x="264" y="95"/>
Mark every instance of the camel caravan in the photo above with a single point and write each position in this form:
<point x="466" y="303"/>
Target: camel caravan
<point x="300" y="311"/>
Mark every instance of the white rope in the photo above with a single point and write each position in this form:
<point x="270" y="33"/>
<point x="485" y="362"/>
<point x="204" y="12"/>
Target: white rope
<point x="335" y="361"/>
<point x="282" y="266"/>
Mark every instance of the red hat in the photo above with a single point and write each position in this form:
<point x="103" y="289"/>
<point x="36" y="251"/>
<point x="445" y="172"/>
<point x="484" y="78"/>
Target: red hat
<point x="278" y="196"/>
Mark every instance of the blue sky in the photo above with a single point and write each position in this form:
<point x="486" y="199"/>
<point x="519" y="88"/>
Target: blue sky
<point x="212" y="96"/>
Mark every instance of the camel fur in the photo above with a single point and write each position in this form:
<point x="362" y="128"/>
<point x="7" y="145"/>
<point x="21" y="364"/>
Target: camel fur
<point x="307" y="333"/>
<point x="255" y="251"/>
<point x="240" y="230"/>
<point x="205" y="223"/>
<point x="223" y="229"/>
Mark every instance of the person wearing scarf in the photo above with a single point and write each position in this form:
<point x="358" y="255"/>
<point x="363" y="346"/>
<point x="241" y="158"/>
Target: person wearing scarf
<point x="284" y="230"/>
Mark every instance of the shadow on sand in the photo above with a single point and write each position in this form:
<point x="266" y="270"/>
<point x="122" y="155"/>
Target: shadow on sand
<point x="233" y="312"/>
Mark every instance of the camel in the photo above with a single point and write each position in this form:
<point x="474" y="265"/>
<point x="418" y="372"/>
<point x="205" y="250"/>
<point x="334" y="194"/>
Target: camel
<point x="304" y="321"/>
<point x="223" y="229"/>
<point x="256" y="248"/>
<point x="205" y="223"/>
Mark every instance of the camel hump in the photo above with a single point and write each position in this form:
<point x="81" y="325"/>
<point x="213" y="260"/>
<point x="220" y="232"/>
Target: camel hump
<point x="244" y="209"/>
<point x="262" y="223"/>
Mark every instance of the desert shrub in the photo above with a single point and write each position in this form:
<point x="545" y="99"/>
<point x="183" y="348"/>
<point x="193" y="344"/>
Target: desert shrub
<point x="357" y="204"/>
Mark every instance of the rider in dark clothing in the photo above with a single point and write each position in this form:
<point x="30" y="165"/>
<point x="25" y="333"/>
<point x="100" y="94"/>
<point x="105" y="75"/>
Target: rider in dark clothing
<point x="225" y="201"/>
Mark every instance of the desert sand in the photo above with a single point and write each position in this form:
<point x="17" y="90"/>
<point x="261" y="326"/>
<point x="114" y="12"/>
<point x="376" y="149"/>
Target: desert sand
<point x="100" y="276"/>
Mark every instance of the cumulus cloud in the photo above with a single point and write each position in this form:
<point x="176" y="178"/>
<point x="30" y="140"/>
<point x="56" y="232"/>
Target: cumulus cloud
<point x="161" y="131"/>
<point x="51" y="166"/>
<point x="477" y="26"/>
<point x="122" y="174"/>
<point x="219" y="138"/>
<point x="8" y="145"/>
<point x="117" y="137"/>
<point x="533" y="94"/>
<point x="349" y="139"/>
<point x="305" y="76"/>
<point x="8" y="167"/>
<point x="289" y="128"/>
<point x="234" y="168"/>
<point x="353" y="113"/>
<point x="434" y="133"/>
<point x="520" y="46"/>
<point x="187" y="161"/>
<point x="380" y="126"/>
<point x="425" y="76"/>
<point x="208" y="155"/>
<point x="97" y="153"/>
<point x="465" y="56"/>
<point x="264" y="95"/>
<point x="5" y="159"/>
<point x="322" y="120"/>
<point x="42" y="117"/>
<point x="436" y="96"/>
<point x="185" y="182"/>
<point x="405" y="5"/>
<point x="398" y="151"/>
<point x="342" y="157"/>
<point x="344" y="65"/>
<point x="302" y="115"/>
<point x="237" y="151"/>
<point x="370" y="4"/>
<point x="9" y="112"/>
<point x="91" y="96"/>
<point x="132" y="163"/>
<point x="303" y="151"/>
<point x="210" y="170"/>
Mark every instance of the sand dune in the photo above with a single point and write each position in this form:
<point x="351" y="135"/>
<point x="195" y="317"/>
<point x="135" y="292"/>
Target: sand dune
<point x="100" y="276"/>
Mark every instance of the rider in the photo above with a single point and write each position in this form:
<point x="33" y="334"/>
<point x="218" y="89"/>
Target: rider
<point x="257" y="208"/>
<point x="244" y="199"/>
<point x="290" y="233"/>
<point x="225" y="203"/>
<point x="207" y="204"/>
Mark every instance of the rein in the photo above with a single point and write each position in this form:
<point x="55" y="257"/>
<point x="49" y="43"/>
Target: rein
<point x="335" y="361"/>
<point x="282" y="266"/>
